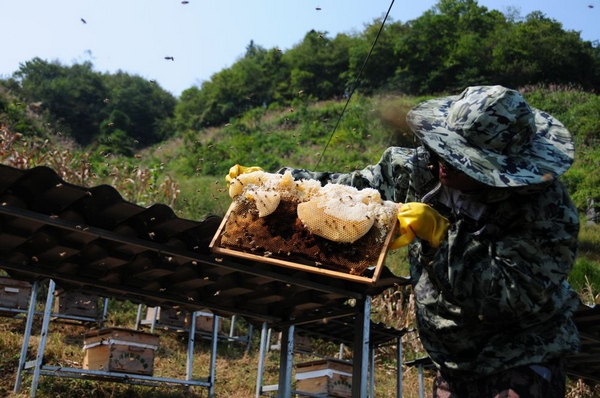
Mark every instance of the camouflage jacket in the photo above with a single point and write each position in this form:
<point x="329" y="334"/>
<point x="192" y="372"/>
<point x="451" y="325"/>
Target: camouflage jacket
<point x="494" y="295"/>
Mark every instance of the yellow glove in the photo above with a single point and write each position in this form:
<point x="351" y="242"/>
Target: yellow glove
<point x="419" y="219"/>
<point x="236" y="170"/>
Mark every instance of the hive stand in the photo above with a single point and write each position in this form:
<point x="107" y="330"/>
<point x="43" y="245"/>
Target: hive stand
<point x="366" y="335"/>
<point x="154" y="321"/>
<point x="421" y="364"/>
<point x="37" y="367"/>
<point x="91" y="239"/>
<point x="48" y="315"/>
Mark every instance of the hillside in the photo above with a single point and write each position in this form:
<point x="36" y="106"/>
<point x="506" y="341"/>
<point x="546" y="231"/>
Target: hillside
<point x="187" y="173"/>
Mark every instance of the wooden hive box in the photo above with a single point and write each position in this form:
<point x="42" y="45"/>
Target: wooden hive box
<point x="76" y="304"/>
<point x="167" y="316"/>
<point x="120" y="350"/>
<point x="330" y="377"/>
<point x="14" y="294"/>
<point x="204" y="321"/>
<point x="301" y="343"/>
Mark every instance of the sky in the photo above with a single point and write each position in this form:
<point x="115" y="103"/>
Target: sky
<point x="204" y="37"/>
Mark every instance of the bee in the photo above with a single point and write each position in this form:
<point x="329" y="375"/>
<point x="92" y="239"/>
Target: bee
<point x="318" y="8"/>
<point x="170" y="58"/>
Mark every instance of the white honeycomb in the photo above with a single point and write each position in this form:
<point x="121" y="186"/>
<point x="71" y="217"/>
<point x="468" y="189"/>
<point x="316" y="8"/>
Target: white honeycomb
<point x="335" y="212"/>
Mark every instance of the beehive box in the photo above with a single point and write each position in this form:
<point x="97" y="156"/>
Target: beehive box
<point x="327" y="377"/>
<point x="76" y="304"/>
<point x="14" y="294"/>
<point x="167" y="316"/>
<point x="301" y="343"/>
<point x="120" y="350"/>
<point x="204" y="321"/>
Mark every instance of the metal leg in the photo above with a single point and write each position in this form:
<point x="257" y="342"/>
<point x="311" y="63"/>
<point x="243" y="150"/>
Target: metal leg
<point x="261" y="359"/>
<point x="399" y="370"/>
<point x="213" y="356"/>
<point x="285" y="363"/>
<point x="104" y="312"/>
<point x="361" y="348"/>
<point x="43" y="337"/>
<point x="191" y="343"/>
<point x="27" y="335"/>
<point x="421" y="386"/>
<point x="138" y="317"/>
<point x="250" y="331"/>
<point x="154" y="319"/>
<point x="232" y="327"/>
<point x="372" y="374"/>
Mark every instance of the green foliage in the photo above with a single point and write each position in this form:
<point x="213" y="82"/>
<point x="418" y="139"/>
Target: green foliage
<point x="145" y="105"/>
<point x="82" y="102"/>
<point x="538" y="50"/>
<point x="73" y="95"/>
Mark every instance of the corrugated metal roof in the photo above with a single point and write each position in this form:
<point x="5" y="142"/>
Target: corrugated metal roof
<point x="91" y="239"/>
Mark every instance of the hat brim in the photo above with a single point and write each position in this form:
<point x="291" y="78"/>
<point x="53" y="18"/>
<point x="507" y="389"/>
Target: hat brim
<point x="550" y="153"/>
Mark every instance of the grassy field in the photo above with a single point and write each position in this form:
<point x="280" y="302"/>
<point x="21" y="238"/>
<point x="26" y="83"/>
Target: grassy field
<point x="236" y="367"/>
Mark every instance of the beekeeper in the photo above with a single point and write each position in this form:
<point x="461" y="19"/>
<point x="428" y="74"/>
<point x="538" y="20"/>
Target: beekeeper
<point x="492" y="236"/>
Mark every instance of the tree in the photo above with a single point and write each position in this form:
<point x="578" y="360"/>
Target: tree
<point x="539" y="50"/>
<point x="317" y="66"/>
<point x="381" y="65"/>
<point x="145" y="103"/>
<point x="73" y="95"/>
<point x="448" y="47"/>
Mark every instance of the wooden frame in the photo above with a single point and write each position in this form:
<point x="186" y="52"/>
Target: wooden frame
<point x="215" y="247"/>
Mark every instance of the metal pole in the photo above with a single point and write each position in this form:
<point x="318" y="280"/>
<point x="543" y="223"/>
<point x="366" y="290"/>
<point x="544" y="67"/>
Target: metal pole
<point x="43" y="336"/>
<point x="213" y="355"/>
<point x="190" y="350"/>
<point x="27" y="336"/>
<point x="421" y="387"/>
<point x="285" y="363"/>
<point x="261" y="359"/>
<point x="372" y="374"/>
<point x="138" y="317"/>
<point x="105" y="311"/>
<point x="361" y="348"/>
<point x="399" y="370"/>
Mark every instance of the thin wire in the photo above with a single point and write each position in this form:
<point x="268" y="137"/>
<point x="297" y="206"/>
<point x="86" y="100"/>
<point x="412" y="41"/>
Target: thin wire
<point x="356" y="82"/>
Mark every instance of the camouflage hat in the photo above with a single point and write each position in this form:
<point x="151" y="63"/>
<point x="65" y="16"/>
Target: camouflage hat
<point x="491" y="134"/>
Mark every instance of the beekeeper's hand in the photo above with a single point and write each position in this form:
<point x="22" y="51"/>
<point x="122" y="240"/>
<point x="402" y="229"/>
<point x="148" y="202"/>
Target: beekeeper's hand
<point x="236" y="170"/>
<point x="419" y="219"/>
